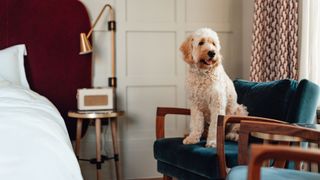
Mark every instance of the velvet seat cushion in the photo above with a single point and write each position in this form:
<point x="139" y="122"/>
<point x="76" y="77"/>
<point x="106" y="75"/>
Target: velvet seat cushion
<point x="266" y="99"/>
<point x="240" y="173"/>
<point x="195" y="158"/>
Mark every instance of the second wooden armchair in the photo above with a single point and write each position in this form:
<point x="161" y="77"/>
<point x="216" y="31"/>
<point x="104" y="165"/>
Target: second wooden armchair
<point x="278" y="154"/>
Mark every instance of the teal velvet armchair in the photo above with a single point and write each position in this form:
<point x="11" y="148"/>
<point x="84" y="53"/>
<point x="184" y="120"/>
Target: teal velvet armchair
<point x="277" y="101"/>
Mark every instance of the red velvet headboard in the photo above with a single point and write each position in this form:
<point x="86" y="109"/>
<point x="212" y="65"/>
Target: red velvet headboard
<point x="50" y="29"/>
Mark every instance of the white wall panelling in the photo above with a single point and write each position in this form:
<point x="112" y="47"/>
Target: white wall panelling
<point x="208" y="11"/>
<point x="150" y="69"/>
<point x="151" y="54"/>
<point x="102" y="57"/>
<point x="150" y="11"/>
<point x="141" y="123"/>
<point x="152" y="75"/>
<point x="247" y="27"/>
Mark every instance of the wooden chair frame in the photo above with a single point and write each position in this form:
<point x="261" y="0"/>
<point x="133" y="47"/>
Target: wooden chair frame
<point x="247" y="127"/>
<point x="260" y="153"/>
<point x="280" y="153"/>
<point x="222" y="122"/>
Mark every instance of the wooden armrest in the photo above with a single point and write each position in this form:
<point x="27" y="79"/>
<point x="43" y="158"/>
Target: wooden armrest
<point x="287" y="129"/>
<point x="221" y="126"/>
<point x="223" y="120"/>
<point x="260" y="153"/>
<point x="162" y="112"/>
<point x="247" y="127"/>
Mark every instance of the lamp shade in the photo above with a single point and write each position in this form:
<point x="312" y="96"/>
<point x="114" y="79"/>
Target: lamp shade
<point x="85" y="46"/>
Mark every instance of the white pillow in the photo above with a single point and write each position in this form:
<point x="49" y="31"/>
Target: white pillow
<point x="2" y="79"/>
<point x="3" y="82"/>
<point x="12" y="65"/>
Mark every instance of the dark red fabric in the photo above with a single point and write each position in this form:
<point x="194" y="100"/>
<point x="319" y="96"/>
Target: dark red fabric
<point x="50" y="29"/>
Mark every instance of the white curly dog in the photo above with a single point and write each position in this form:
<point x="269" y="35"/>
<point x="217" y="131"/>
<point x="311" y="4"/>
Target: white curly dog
<point x="210" y="90"/>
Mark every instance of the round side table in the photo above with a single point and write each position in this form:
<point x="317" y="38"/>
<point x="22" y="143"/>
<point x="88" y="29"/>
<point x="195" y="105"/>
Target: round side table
<point x="97" y="116"/>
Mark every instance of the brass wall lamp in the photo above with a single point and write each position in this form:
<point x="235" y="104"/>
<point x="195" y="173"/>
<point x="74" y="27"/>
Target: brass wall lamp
<point x="85" y="46"/>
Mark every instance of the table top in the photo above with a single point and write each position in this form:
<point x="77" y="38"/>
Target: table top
<point x="277" y="137"/>
<point x="95" y="114"/>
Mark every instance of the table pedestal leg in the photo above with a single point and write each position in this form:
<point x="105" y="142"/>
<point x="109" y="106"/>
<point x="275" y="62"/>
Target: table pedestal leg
<point x="114" y="131"/>
<point x="98" y="147"/>
<point x="78" y="137"/>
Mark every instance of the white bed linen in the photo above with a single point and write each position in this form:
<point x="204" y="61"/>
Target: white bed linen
<point x="34" y="142"/>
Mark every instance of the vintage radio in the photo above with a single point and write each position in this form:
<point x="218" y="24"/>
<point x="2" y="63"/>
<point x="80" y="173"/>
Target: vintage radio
<point x="95" y="99"/>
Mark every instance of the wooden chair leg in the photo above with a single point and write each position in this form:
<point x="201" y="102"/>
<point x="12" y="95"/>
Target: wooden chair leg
<point x="165" y="177"/>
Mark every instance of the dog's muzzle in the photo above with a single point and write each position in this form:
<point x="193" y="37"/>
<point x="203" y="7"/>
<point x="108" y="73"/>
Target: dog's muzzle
<point x="210" y="60"/>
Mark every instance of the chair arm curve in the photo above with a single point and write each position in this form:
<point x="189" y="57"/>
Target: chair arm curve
<point x="160" y="117"/>
<point x="237" y="119"/>
<point x="273" y="129"/>
<point x="259" y="153"/>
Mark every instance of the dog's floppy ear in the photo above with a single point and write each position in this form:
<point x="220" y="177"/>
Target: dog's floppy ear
<point x="186" y="49"/>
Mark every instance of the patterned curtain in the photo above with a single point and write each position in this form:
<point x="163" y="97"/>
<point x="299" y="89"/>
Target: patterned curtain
<point x="275" y="40"/>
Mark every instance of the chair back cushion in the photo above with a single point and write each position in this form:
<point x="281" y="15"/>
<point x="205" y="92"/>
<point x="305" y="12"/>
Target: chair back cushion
<point x="305" y="102"/>
<point x="284" y="100"/>
<point x="266" y="99"/>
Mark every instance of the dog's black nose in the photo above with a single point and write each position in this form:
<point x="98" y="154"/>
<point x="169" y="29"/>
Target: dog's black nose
<point x="211" y="54"/>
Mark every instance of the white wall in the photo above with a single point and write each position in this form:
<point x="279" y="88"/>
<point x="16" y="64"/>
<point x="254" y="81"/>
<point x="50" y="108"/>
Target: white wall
<point x="247" y="27"/>
<point x="150" y="70"/>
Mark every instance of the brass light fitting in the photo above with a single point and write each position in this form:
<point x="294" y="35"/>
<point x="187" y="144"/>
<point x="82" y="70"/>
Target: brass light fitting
<point x="85" y="46"/>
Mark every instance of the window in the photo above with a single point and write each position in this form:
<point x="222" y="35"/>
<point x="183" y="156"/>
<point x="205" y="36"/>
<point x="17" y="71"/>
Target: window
<point x="310" y="40"/>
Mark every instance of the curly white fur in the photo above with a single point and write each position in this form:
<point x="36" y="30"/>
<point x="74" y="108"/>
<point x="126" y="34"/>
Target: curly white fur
<point x="211" y="91"/>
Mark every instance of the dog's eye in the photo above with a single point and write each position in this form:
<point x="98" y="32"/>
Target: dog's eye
<point x="214" y="44"/>
<point x="201" y="43"/>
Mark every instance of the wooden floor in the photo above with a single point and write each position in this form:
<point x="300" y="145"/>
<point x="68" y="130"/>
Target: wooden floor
<point x="149" y="179"/>
<point x="152" y="179"/>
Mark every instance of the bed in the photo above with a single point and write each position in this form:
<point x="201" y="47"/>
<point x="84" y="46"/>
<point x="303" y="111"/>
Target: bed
<point x="35" y="131"/>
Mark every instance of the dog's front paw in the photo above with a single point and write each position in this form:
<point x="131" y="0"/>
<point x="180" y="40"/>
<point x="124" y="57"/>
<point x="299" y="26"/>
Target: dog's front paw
<point x="211" y="144"/>
<point x="191" y="140"/>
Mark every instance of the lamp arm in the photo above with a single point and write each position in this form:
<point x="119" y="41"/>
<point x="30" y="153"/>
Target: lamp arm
<point x="111" y="18"/>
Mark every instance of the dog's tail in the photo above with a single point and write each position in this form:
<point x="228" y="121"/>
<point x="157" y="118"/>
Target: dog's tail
<point x="241" y="110"/>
